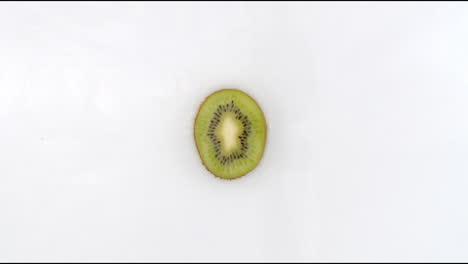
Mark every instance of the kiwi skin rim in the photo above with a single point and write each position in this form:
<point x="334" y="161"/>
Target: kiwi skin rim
<point x="195" y="139"/>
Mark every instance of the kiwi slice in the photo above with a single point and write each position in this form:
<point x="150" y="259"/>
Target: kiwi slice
<point x="230" y="133"/>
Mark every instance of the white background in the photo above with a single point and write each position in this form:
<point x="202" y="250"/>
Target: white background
<point x="367" y="106"/>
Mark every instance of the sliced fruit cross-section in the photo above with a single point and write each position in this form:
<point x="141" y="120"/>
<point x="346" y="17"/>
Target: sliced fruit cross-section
<point x="230" y="133"/>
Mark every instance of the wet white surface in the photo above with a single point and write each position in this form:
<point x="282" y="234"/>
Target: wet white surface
<point x="368" y="131"/>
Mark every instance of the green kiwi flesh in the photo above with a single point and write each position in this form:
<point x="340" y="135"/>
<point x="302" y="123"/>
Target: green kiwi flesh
<point x="230" y="133"/>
